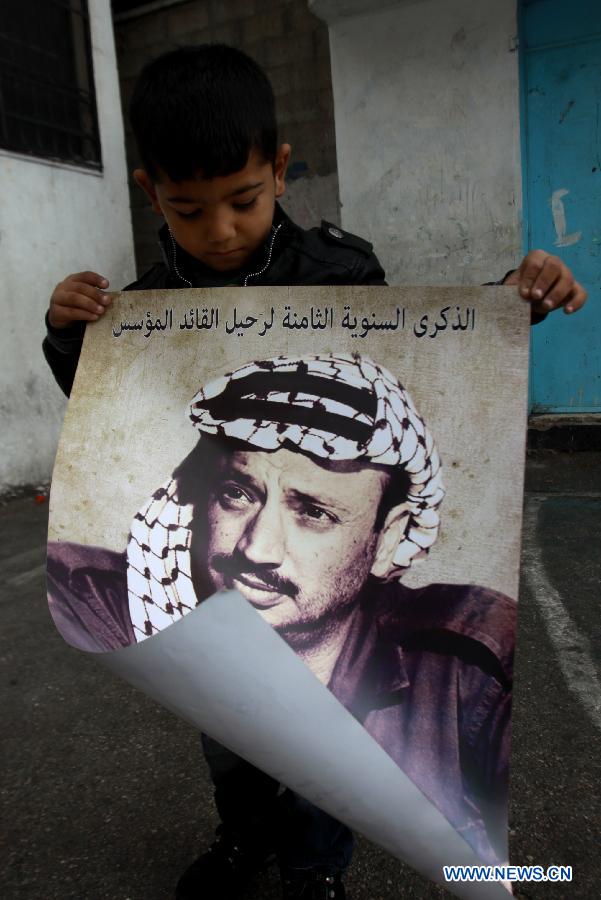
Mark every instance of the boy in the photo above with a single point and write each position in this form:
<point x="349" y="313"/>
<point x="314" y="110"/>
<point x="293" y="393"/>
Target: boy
<point x="204" y="120"/>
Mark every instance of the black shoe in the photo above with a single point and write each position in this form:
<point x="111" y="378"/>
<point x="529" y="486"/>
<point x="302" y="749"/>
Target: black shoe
<point x="225" y="871"/>
<point x="312" y="884"/>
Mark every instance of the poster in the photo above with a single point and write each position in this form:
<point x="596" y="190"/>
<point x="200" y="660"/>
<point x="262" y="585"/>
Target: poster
<point x="292" y="515"/>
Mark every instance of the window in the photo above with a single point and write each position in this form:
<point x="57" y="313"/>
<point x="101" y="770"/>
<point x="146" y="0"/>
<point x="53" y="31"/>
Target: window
<point x="47" y="101"/>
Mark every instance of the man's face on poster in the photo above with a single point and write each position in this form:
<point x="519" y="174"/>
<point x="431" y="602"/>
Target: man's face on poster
<point x="296" y="539"/>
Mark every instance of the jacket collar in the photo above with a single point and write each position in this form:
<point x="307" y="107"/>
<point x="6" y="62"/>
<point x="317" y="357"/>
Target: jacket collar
<point x="185" y="270"/>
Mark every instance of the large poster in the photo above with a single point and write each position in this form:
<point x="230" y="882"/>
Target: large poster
<point x="292" y="515"/>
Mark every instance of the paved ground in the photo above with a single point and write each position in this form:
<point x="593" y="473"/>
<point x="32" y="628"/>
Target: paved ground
<point x="105" y="795"/>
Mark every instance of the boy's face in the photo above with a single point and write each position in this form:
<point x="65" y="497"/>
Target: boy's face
<point x="221" y="221"/>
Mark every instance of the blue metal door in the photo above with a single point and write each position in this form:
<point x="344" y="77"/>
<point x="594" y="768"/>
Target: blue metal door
<point x="560" y="45"/>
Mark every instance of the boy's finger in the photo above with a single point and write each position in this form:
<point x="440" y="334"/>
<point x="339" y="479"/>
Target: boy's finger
<point x="530" y="269"/>
<point x="77" y="301"/>
<point x="549" y="274"/>
<point x="576" y="300"/>
<point x="92" y="278"/>
<point x="87" y="290"/>
<point x="559" y="292"/>
<point x="69" y="314"/>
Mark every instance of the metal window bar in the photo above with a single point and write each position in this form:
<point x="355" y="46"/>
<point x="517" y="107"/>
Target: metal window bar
<point x="47" y="99"/>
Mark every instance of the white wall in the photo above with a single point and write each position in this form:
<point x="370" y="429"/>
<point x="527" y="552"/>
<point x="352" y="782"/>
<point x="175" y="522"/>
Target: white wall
<point x="427" y="134"/>
<point x="55" y="220"/>
<point x="311" y="198"/>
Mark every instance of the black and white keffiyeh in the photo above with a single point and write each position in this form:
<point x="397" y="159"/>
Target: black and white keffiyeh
<point x="336" y="407"/>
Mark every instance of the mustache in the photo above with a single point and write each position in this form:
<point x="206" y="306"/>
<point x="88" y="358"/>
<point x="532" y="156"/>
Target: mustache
<point x="237" y="564"/>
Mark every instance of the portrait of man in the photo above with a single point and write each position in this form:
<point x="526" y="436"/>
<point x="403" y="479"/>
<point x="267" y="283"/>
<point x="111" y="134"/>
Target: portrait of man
<point x="314" y="486"/>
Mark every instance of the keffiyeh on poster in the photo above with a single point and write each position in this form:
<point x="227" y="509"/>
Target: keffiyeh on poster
<point x="314" y="552"/>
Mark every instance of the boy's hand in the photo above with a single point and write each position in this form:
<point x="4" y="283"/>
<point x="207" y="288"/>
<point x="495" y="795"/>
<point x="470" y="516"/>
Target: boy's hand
<point x="78" y="298"/>
<point x="547" y="283"/>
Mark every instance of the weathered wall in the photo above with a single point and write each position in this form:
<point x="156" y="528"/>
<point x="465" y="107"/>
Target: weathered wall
<point x="427" y="134"/>
<point x="292" y="46"/>
<point x="54" y="220"/>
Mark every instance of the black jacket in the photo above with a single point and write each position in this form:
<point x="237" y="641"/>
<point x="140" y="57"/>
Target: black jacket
<point x="291" y="255"/>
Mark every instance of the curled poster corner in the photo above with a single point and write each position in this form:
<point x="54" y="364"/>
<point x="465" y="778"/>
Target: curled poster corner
<point x="228" y="673"/>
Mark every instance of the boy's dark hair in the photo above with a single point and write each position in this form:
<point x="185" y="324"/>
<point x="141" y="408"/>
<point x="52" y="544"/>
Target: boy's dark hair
<point x="202" y="109"/>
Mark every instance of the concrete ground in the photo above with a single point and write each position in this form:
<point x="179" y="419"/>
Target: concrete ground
<point x="105" y="795"/>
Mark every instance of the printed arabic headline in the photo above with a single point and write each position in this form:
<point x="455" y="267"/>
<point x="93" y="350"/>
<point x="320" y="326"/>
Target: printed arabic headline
<point x="449" y="319"/>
